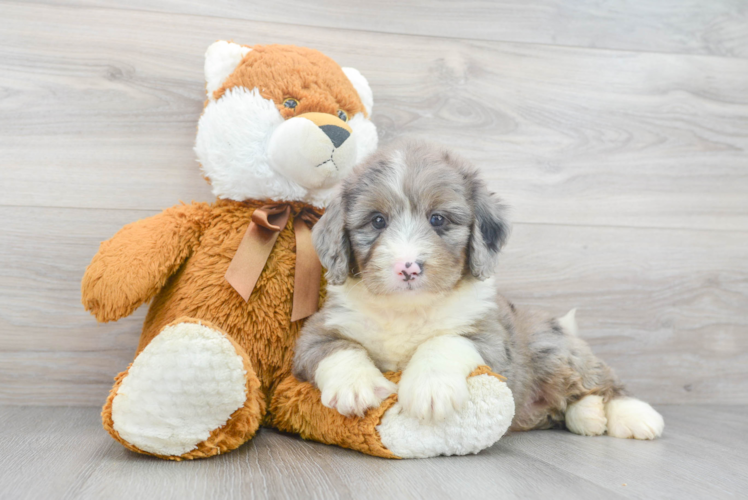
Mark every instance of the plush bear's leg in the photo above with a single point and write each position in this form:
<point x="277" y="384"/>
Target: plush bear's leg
<point x="191" y="393"/>
<point x="388" y="432"/>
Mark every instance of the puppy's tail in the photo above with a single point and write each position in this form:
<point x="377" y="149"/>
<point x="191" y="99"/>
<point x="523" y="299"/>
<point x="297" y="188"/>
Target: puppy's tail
<point x="569" y="322"/>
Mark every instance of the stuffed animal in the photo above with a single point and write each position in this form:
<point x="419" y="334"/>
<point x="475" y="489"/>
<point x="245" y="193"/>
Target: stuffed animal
<point x="230" y="283"/>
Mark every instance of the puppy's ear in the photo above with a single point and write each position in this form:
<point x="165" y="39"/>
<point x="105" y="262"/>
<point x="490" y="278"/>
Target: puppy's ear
<point x="489" y="232"/>
<point x="331" y="243"/>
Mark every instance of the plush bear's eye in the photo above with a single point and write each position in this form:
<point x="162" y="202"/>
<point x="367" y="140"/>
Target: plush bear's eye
<point x="342" y="115"/>
<point x="290" y="103"/>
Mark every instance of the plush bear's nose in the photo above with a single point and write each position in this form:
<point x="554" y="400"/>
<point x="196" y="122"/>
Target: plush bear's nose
<point x="337" y="135"/>
<point x="336" y="129"/>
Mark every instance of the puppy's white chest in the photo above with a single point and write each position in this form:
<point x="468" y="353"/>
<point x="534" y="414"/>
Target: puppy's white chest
<point x="391" y="339"/>
<point x="391" y="329"/>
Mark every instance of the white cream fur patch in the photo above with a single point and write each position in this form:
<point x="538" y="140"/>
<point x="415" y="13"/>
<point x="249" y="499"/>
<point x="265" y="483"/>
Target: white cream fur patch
<point x="366" y="135"/>
<point x="362" y="88"/>
<point x="301" y="152"/>
<point x="434" y="384"/>
<point x="586" y="417"/>
<point x="186" y="383"/>
<point x="391" y="327"/>
<point x="631" y="418"/>
<point x="350" y="383"/>
<point x="486" y="416"/>
<point x="221" y="59"/>
<point x="569" y="322"/>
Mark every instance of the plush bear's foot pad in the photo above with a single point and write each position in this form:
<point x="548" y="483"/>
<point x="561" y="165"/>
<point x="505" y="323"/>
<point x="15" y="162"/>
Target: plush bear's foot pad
<point x="479" y="424"/>
<point x="183" y="385"/>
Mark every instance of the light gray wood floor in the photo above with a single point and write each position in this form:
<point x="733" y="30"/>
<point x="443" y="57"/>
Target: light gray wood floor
<point x="63" y="453"/>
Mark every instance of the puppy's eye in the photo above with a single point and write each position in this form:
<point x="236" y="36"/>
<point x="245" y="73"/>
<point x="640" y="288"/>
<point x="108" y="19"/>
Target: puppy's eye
<point x="290" y="103"/>
<point x="342" y="115"/>
<point x="378" y="222"/>
<point x="437" y="220"/>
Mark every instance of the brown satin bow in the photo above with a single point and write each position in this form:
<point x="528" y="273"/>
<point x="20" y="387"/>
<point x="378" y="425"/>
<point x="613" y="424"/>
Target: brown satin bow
<point x="255" y="247"/>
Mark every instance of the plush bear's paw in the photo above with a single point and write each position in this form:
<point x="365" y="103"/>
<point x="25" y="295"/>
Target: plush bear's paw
<point x="632" y="418"/>
<point x="483" y="419"/>
<point x="351" y="384"/>
<point x="186" y="383"/>
<point x="587" y="416"/>
<point x="432" y="395"/>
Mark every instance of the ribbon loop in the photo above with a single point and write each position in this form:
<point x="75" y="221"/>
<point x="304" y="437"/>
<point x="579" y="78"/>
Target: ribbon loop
<point x="307" y="274"/>
<point x="272" y="217"/>
<point x="254" y="249"/>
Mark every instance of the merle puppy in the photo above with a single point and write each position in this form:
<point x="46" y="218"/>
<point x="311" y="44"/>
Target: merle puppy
<point x="410" y="247"/>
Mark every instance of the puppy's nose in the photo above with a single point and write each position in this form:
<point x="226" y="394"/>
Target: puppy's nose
<point x="408" y="271"/>
<point x="337" y="135"/>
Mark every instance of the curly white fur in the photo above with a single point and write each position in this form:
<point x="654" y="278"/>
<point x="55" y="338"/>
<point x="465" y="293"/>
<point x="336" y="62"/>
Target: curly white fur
<point x="483" y="419"/>
<point x="168" y="403"/>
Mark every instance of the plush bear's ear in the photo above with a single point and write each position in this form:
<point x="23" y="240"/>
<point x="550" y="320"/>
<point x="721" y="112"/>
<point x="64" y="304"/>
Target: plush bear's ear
<point x="221" y="59"/>
<point x="362" y="87"/>
<point x="489" y="232"/>
<point x="331" y="243"/>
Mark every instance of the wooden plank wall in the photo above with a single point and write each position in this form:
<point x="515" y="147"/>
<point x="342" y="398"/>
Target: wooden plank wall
<point x="616" y="130"/>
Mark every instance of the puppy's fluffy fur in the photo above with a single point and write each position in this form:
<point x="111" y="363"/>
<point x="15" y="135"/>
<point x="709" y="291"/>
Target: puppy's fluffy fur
<point x="420" y="206"/>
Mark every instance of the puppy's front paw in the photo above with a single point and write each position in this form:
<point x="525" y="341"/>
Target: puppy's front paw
<point x="432" y="395"/>
<point x="356" y="395"/>
<point x="632" y="418"/>
<point x="351" y="384"/>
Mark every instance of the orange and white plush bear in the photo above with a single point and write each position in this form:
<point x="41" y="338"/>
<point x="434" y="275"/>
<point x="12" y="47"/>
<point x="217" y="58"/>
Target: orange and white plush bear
<point x="230" y="283"/>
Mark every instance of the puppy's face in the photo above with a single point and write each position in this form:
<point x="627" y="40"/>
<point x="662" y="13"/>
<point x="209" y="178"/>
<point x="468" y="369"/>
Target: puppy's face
<point x="411" y="218"/>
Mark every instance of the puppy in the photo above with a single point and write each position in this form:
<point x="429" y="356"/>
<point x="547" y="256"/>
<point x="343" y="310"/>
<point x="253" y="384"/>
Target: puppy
<point x="410" y="247"/>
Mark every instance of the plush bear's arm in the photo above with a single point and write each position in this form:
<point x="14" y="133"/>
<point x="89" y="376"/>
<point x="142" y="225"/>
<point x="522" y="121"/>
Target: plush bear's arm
<point x="134" y="265"/>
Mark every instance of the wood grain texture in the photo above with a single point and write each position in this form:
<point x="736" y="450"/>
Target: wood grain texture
<point x="565" y="135"/>
<point x="718" y="27"/>
<point x="63" y="453"/>
<point x="666" y="308"/>
<point x="627" y="171"/>
<point x="50" y="348"/>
